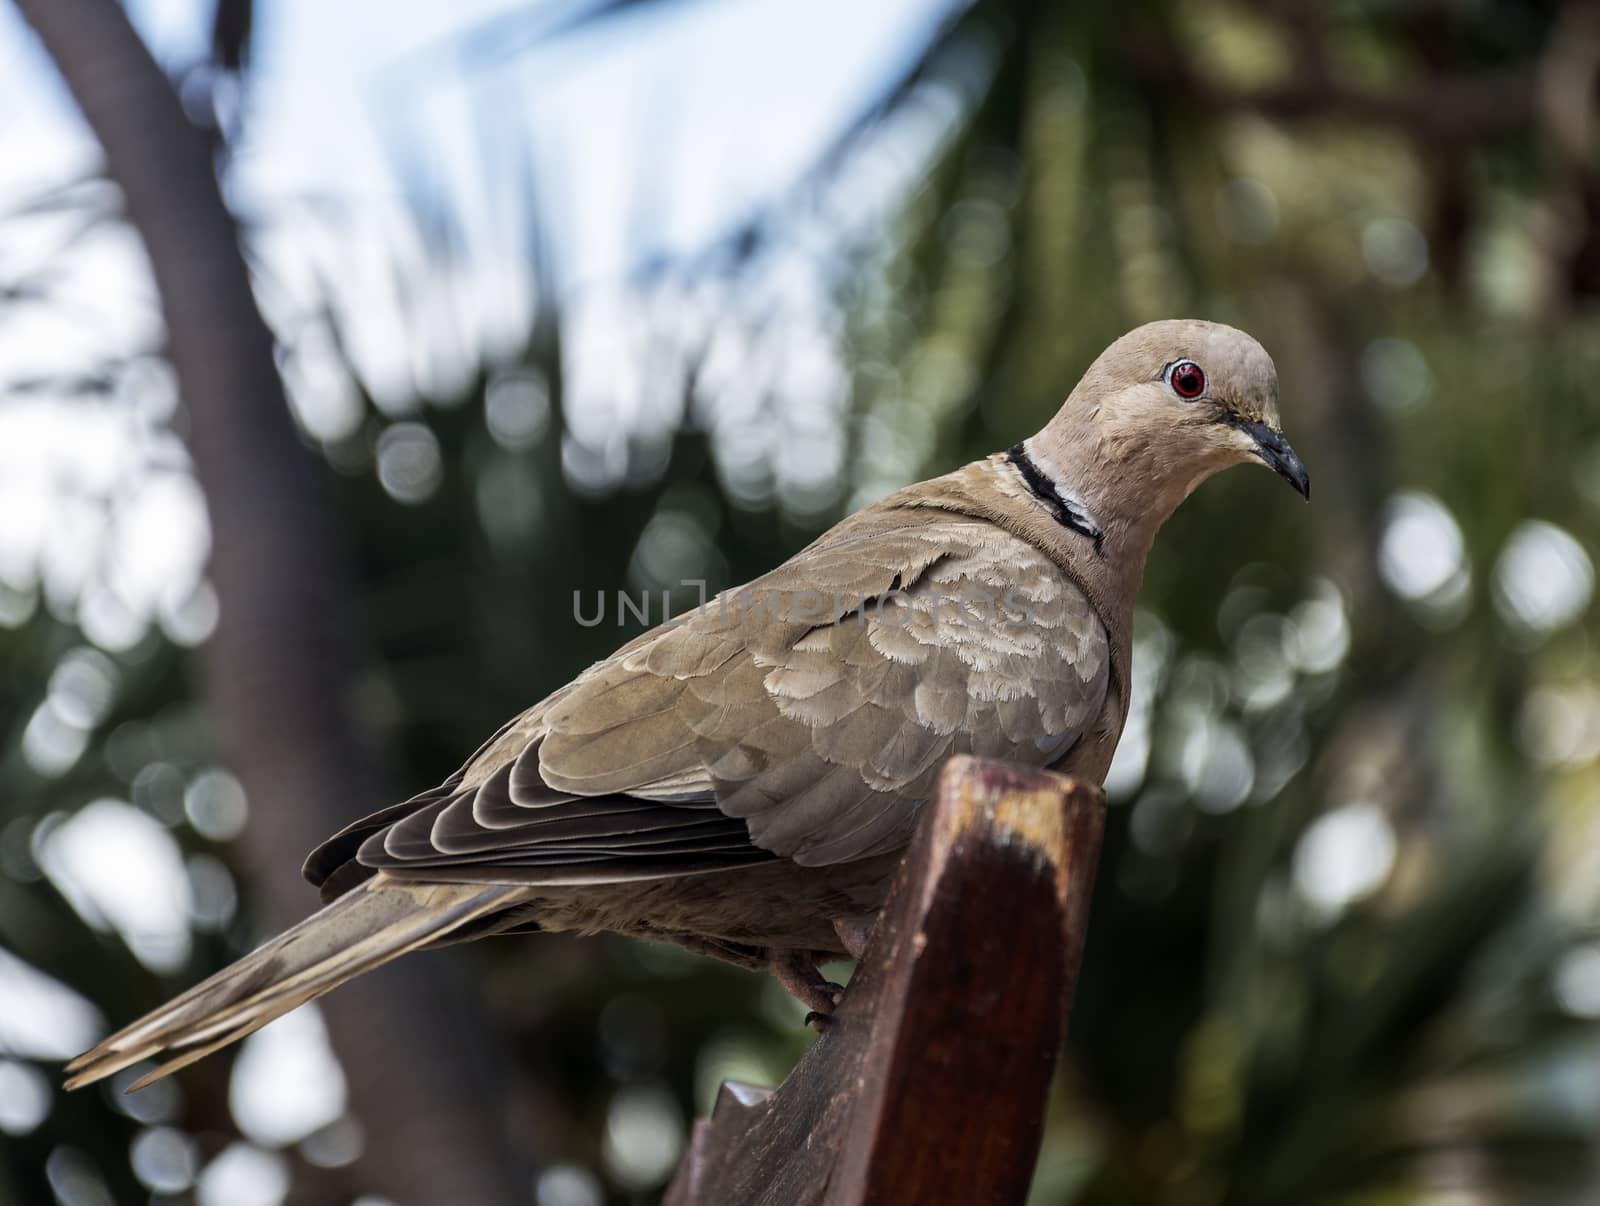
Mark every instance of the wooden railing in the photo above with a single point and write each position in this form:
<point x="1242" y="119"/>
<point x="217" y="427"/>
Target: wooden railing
<point x="929" y="1084"/>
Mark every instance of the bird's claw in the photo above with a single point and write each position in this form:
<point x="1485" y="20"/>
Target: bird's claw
<point x="797" y="972"/>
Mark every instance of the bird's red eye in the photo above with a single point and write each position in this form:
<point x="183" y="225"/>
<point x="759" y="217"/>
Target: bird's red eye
<point x="1187" y="379"/>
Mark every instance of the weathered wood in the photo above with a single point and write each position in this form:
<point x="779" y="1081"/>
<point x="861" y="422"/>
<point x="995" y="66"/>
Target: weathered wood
<point x="929" y="1084"/>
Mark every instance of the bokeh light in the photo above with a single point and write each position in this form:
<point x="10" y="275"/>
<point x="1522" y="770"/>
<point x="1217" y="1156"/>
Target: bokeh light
<point x="1421" y="554"/>
<point x="1543" y="578"/>
<point x="1346" y="854"/>
<point x="644" y="1136"/>
<point x="242" y="1175"/>
<point x="286" y="1081"/>
<point x="122" y="871"/>
<point x="25" y="1097"/>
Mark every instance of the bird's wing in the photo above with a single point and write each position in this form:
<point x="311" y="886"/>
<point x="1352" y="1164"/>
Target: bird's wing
<point x="803" y="716"/>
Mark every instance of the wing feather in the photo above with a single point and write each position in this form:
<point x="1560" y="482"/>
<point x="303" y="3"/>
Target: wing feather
<point x="803" y="717"/>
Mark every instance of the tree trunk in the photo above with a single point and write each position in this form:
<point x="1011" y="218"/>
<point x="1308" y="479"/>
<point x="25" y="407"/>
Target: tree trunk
<point x="278" y="669"/>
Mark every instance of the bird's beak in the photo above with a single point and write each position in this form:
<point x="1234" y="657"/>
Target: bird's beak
<point x="1275" y="451"/>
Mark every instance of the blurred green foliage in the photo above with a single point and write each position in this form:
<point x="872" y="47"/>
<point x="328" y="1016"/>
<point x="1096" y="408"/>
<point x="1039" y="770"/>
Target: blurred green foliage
<point x="1343" y="946"/>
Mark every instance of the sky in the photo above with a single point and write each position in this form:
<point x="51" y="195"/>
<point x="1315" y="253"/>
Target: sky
<point x="651" y="135"/>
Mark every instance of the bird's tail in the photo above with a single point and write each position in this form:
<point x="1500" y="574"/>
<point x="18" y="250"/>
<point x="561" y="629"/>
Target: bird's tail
<point x="381" y="920"/>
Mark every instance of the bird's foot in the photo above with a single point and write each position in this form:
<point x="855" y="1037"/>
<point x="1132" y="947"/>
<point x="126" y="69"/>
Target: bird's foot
<point x="797" y="972"/>
<point x="855" y="932"/>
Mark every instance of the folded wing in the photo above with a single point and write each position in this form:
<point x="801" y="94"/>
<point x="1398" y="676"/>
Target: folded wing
<point x="803" y="717"/>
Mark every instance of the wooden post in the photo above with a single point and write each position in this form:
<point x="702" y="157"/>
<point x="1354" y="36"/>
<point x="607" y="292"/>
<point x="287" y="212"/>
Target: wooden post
<point x="929" y="1085"/>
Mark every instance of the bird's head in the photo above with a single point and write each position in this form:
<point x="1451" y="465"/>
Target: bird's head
<point x="1166" y="406"/>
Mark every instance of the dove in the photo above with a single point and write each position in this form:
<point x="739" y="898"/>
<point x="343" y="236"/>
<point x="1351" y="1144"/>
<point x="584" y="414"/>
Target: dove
<point x="743" y="779"/>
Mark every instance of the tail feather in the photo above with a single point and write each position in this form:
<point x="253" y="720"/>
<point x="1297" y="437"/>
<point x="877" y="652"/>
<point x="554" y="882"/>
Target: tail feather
<point x="368" y="926"/>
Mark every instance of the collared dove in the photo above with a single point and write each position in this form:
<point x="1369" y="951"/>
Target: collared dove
<point x="743" y="779"/>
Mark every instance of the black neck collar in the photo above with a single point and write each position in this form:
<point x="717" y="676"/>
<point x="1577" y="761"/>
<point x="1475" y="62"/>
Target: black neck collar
<point x="1068" y="514"/>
